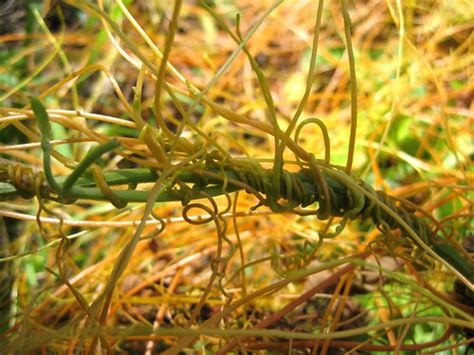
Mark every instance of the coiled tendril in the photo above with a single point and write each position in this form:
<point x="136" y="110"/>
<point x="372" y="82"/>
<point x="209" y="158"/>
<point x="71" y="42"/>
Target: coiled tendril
<point x="348" y="197"/>
<point x="336" y="193"/>
<point x="24" y="179"/>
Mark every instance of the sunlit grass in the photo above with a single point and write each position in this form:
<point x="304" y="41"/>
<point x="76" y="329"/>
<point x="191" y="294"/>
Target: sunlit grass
<point x="97" y="74"/>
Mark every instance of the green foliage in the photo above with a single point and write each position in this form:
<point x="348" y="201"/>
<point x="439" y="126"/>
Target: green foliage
<point x="241" y="181"/>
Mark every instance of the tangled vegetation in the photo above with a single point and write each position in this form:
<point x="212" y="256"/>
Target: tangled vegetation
<point x="237" y="176"/>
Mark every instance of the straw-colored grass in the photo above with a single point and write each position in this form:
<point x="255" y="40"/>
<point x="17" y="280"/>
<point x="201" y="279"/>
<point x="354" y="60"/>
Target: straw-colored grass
<point x="234" y="80"/>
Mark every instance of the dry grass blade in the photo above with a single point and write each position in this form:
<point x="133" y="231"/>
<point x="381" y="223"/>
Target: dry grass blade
<point x="221" y="176"/>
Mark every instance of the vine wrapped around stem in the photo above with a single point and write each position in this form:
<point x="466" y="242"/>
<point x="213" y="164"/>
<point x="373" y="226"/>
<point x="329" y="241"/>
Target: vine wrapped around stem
<point x="349" y="197"/>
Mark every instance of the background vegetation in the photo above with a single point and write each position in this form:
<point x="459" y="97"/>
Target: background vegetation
<point x="219" y="274"/>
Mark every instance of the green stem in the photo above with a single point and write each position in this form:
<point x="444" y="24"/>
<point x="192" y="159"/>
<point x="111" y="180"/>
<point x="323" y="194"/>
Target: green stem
<point x="90" y="158"/>
<point x="346" y="199"/>
<point x="45" y="129"/>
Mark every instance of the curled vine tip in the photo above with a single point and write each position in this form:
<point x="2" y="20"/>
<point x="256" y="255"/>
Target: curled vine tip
<point x="91" y="157"/>
<point x="45" y="130"/>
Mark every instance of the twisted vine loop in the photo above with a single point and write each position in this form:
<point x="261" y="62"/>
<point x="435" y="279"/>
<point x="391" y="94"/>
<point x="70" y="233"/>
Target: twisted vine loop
<point x="212" y="173"/>
<point x="24" y="179"/>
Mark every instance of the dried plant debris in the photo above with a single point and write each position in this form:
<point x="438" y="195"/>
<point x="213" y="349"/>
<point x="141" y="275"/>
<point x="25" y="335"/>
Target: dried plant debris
<point x="235" y="177"/>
